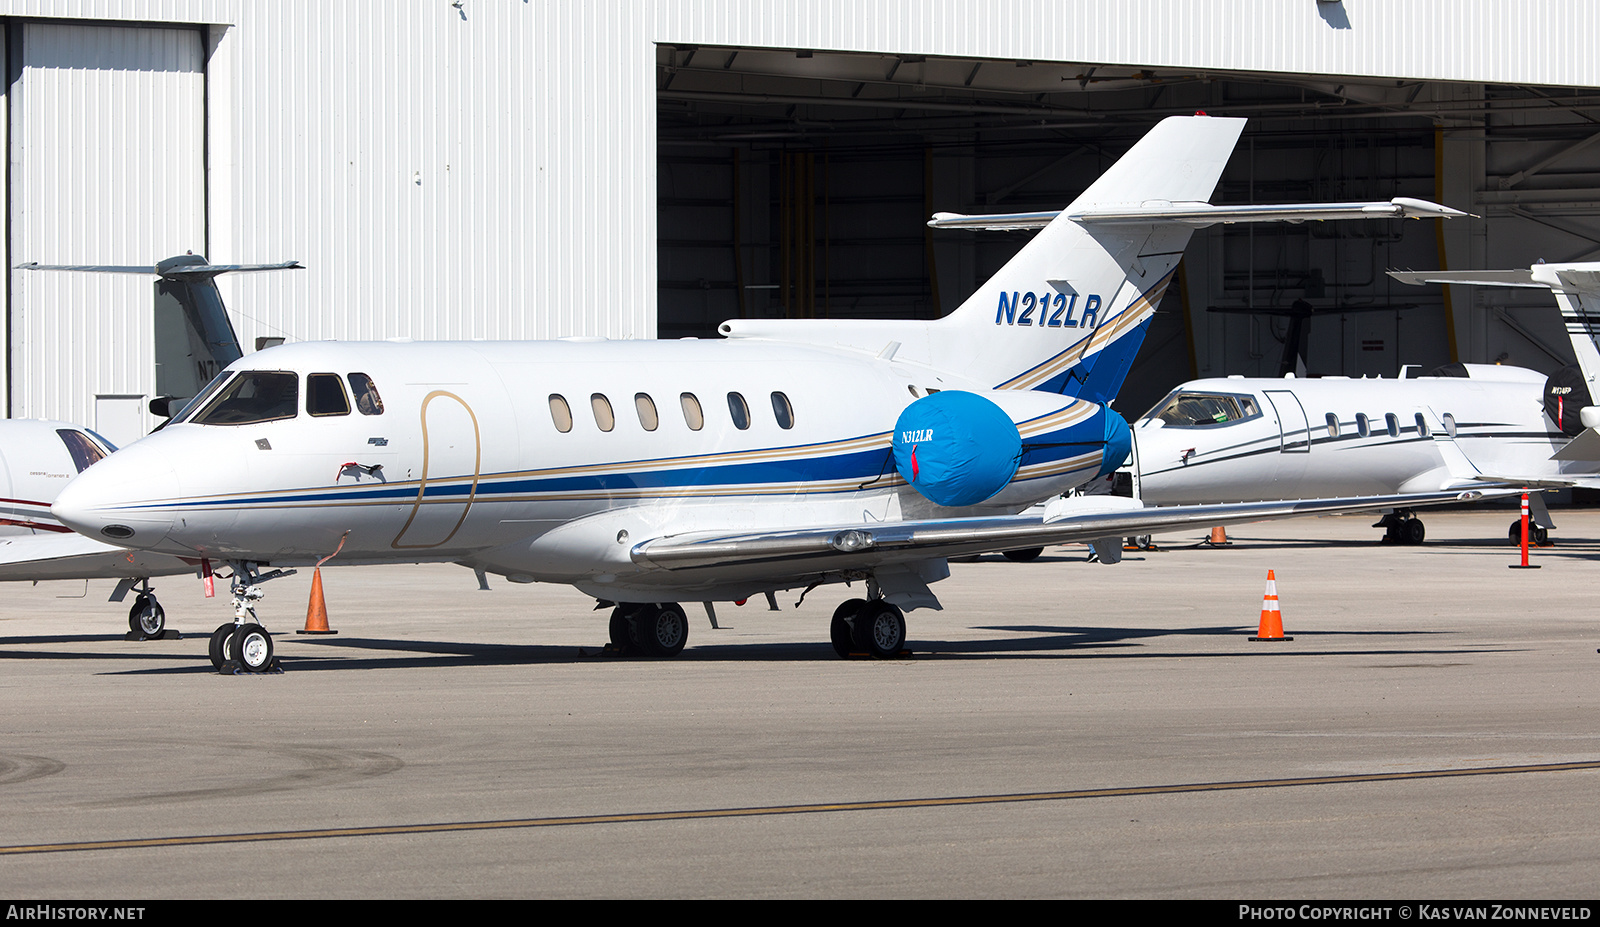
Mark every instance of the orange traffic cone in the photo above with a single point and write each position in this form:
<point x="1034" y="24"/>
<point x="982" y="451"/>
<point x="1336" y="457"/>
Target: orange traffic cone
<point x="317" y="611"/>
<point x="1271" y="628"/>
<point x="1219" y="538"/>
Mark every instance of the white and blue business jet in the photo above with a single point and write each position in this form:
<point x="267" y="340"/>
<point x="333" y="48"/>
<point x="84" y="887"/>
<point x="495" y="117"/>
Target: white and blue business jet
<point x="788" y="454"/>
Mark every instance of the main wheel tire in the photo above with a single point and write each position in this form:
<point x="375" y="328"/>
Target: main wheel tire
<point x="1414" y="531"/>
<point x="880" y="629"/>
<point x="147" y="617"/>
<point x="252" y="647"/>
<point x="1538" y="534"/>
<point x="1515" y="534"/>
<point x="622" y="630"/>
<point x="221" y="648"/>
<point x="1024" y="555"/>
<point x="839" y="629"/>
<point x="661" y="630"/>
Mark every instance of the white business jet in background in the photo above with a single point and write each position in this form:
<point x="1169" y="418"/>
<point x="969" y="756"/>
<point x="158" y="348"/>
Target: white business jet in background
<point x="1239" y="439"/>
<point x="37" y="458"/>
<point x="194" y="340"/>
<point x="789" y="454"/>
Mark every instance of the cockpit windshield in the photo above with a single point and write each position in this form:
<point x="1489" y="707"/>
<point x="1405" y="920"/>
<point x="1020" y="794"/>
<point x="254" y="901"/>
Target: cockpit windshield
<point x="253" y="396"/>
<point x="85" y="452"/>
<point x="198" y="400"/>
<point x="1192" y="410"/>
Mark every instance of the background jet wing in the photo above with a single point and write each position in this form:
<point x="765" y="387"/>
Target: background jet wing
<point x="864" y="546"/>
<point x="73" y="556"/>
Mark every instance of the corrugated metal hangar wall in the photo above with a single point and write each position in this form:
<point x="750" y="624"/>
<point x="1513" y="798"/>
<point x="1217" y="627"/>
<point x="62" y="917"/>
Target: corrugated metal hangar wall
<point x="482" y="169"/>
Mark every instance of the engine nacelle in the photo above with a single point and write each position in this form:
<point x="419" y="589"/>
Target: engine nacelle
<point x="961" y="449"/>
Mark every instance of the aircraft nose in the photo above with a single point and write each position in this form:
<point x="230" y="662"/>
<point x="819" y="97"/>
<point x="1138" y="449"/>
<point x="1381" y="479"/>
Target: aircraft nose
<point x="120" y="500"/>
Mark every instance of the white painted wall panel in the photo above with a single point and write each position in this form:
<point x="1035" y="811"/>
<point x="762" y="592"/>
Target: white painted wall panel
<point x="485" y="172"/>
<point x="107" y="168"/>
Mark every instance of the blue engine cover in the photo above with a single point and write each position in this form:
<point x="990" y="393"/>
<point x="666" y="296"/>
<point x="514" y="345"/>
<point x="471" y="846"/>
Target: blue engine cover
<point x="1119" y="441"/>
<point x="956" y="448"/>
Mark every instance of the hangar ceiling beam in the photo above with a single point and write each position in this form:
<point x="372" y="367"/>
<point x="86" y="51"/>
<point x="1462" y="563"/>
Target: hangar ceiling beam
<point x="1507" y="183"/>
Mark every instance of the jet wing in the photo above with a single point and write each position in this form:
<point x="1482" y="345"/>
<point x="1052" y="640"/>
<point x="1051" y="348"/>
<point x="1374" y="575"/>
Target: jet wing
<point x="73" y="556"/>
<point x="863" y="546"/>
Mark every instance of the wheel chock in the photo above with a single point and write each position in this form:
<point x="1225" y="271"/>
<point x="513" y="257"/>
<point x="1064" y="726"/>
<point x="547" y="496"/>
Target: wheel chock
<point x="1271" y="627"/>
<point x="166" y="635"/>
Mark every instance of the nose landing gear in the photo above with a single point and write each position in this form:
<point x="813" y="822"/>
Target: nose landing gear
<point x="244" y="646"/>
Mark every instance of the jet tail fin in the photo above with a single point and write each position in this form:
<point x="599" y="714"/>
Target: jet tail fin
<point x="194" y="340"/>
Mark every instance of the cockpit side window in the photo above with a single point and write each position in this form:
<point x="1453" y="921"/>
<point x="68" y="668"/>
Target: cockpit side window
<point x="325" y="395"/>
<point x="1194" y="410"/>
<point x="366" y="392"/>
<point x="83" y="450"/>
<point x="254" y="396"/>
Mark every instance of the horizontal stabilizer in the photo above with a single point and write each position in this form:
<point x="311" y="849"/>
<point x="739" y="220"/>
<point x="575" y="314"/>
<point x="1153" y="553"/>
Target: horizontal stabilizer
<point x="1201" y="215"/>
<point x="1585" y="447"/>
<point x="182" y="266"/>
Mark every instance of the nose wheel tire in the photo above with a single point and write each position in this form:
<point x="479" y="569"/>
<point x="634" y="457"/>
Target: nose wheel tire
<point x="880" y="629"/>
<point x="252" y="647"/>
<point x="661" y="630"/>
<point x="147" y="618"/>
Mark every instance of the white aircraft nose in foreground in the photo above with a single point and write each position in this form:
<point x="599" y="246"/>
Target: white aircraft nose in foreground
<point x="792" y="453"/>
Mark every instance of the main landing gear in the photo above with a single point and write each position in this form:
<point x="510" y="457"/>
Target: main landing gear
<point x="655" y="629"/>
<point x="1538" y="535"/>
<point x="873" y="627"/>
<point x="1403" y="527"/>
<point x="243" y="645"/>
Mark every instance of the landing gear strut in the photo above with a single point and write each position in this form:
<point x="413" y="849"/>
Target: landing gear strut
<point x="245" y="646"/>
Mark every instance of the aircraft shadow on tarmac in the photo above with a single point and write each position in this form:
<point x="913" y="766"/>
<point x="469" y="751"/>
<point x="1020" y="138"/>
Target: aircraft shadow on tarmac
<point x="345" y="654"/>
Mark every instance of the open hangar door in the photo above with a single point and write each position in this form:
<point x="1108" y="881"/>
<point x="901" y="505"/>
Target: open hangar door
<point x="797" y="183"/>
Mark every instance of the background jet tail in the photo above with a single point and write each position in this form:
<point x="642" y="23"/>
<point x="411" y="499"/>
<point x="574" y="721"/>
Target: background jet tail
<point x="194" y="340"/>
